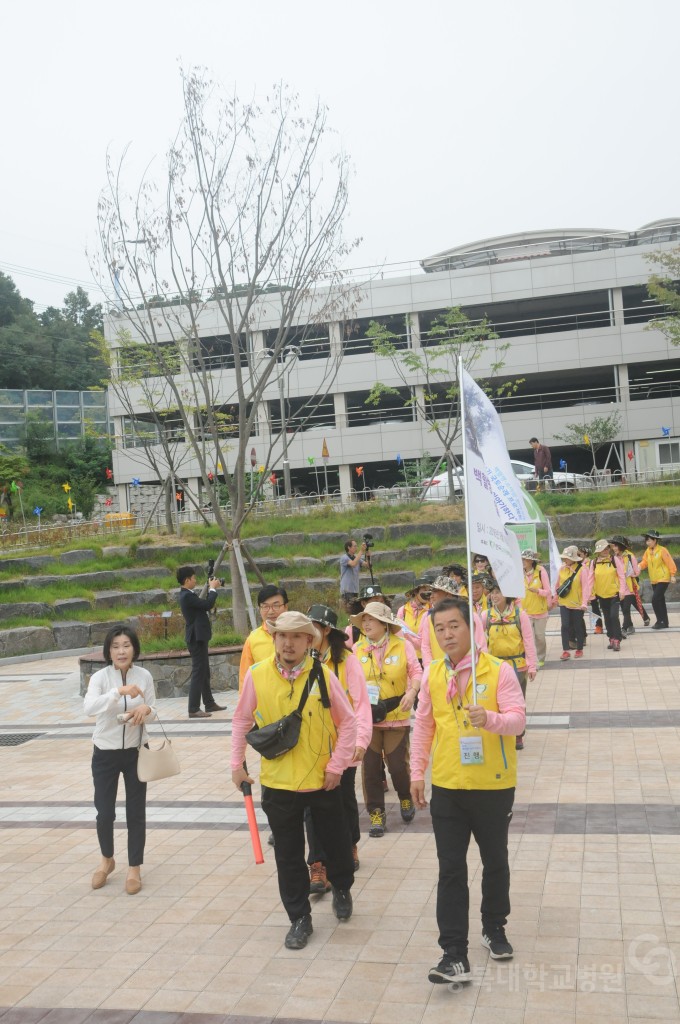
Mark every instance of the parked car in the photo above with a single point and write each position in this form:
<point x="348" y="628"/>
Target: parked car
<point x="438" y="487"/>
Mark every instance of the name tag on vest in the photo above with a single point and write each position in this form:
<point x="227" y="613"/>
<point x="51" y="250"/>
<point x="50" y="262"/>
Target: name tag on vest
<point x="471" y="750"/>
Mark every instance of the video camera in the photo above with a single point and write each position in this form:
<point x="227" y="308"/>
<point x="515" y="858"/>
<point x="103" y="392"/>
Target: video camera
<point x="368" y="541"/>
<point x="211" y="572"/>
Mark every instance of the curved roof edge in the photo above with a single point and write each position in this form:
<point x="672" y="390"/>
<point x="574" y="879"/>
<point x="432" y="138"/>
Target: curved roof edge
<point x="547" y="242"/>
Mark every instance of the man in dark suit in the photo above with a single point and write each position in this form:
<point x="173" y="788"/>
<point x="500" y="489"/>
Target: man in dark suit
<point x="197" y="632"/>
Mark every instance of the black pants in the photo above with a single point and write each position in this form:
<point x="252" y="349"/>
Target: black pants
<point x="199" y="687"/>
<point x="572" y="622"/>
<point x="659" y="602"/>
<point x="107" y="767"/>
<point x="285" y="812"/>
<point x="351" y="809"/>
<point x="456" y="815"/>
<point x="610" y="616"/>
<point x="627" y="606"/>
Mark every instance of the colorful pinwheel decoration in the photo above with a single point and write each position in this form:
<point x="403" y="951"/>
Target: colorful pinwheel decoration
<point x="109" y="473"/>
<point x="66" y="487"/>
<point x="563" y="464"/>
<point x="37" y="511"/>
<point x="70" y="504"/>
<point x="211" y="476"/>
<point x="666" y="431"/>
<point x="135" y="481"/>
<point x="630" y="455"/>
<point x="109" y="502"/>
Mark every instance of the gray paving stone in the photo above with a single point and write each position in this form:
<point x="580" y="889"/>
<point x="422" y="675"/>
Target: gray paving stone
<point x="25" y="640"/>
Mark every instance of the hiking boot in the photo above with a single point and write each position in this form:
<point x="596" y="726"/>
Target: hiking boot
<point x="660" y="625"/>
<point x="450" y="969"/>
<point x="355" y="857"/>
<point x="578" y="654"/>
<point x="519" y="744"/>
<point x="408" y="811"/>
<point x="495" y="941"/>
<point x="565" y="655"/>
<point x="378" y="822"/>
<point x="342" y="904"/>
<point x="317" y="878"/>
<point x="615" y="645"/>
<point x="646" y="622"/>
<point x="299" y="932"/>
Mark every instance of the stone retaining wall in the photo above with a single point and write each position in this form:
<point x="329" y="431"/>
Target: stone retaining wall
<point x="171" y="670"/>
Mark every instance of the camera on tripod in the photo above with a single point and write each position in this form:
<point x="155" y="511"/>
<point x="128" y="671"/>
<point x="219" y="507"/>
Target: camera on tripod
<point x="368" y="541"/>
<point x="211" y="572"/>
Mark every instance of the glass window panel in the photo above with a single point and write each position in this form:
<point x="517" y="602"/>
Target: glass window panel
<point x="68" y="397"/>
<point x="68" y="415"/>
<point x="68" y="430"/>
<point x="95" y="399"/>
<point x="8" y="396"/>
<point x="39" y="397"/>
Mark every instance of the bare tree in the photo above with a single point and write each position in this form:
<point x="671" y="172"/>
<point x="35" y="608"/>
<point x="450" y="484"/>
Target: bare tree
<point x="246" y="222"/>
<point x="430" y="372"/>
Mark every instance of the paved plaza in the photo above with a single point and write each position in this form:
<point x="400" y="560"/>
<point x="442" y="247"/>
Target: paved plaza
<point x="595" y="858"/>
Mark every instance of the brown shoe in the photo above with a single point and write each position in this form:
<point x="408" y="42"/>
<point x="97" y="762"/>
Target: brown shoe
<point x="100" y="877"/>
<point x="215" y="707"/>
<point x="200" y="714"/>
<point x="318" y="883"/>
<point x="355" y="857"/>
<point x="133" y="886"/>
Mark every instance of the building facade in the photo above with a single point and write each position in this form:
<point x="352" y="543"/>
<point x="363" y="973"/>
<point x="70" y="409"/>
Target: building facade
<point x="66" y="415"/>
<point x="570" y="307"/>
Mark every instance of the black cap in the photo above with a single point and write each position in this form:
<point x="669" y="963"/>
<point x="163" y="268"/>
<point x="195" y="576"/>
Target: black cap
<point x="324" y="616"/>
<point x="374" y="590"/>
<point x="654" y="534"/>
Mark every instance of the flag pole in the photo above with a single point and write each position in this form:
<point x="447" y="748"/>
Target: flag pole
<point x="471" y="606"/>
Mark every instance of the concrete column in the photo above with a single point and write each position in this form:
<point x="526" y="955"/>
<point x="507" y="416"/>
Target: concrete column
<point x="345" y="482"/>
<point x="616" y="300"/>
<point x="414" y="330"/>
<point x="340" y="410"/>
<point x="335" y="335"/>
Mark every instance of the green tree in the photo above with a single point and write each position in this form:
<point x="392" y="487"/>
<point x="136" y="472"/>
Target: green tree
<point x="430" y="372"/>
<point x="592" y="434"/>
<point x="665" y="288"/>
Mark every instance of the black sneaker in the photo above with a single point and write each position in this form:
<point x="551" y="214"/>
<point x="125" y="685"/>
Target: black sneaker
<point x="660" y="625"/>
<point x="299" y="932"/>
<point x="378" y="820"/>
<point x="342" y="904"/>
<point x="271" y="839"/>
<point x="408" y="811"/>
<point x="450" y="969"/>
<point x="497" y="944"/>
<point x="646" y="621"/>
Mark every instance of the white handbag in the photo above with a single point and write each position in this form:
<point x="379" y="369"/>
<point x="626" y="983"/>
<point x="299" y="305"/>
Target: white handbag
<point x="157" y="762"/>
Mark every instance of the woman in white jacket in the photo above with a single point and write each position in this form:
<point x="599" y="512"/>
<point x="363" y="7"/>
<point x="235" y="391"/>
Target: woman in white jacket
<point x="121" y="697"/>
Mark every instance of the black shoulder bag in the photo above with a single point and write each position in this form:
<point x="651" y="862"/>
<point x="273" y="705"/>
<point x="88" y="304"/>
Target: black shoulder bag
<point x="565" y="587"/>
<point x="279" y="737"/>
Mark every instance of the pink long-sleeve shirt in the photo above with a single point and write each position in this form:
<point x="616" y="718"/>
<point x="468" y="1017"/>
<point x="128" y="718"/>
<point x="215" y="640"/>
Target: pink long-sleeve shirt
<point x="509" y="720"/>
<point x="620" y="573"/>
<point x="356" y="684"/>
<point x="341" y="712"/>
<point x="527" y="638"/>
<point x="414" y="674"/>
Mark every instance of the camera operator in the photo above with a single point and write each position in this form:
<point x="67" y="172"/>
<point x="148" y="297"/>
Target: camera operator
<point x="197" y="633"/>
<point x="350" y="567"/>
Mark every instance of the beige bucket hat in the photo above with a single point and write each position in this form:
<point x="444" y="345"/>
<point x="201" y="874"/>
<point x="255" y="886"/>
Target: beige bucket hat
<point x="378" y="611"/>
<point x="294" y="622"/>
<point x="570" y="552"/>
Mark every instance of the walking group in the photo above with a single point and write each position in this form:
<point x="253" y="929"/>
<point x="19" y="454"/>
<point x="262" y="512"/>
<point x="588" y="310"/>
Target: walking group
<point x="443" y="680"/>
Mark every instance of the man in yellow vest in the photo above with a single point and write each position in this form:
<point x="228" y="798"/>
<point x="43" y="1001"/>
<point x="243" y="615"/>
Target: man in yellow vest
<point x="308" y="775"/>
<point x="474" y="772"/>
<point x="271" y="601"/>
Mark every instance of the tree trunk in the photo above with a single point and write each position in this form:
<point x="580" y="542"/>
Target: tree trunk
<point x="449" y="473"/>
<point x="238" y="599"/>
<point x="169" y="525"/>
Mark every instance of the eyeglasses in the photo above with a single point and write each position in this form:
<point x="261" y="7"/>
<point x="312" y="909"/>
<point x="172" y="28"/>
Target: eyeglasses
<point x="274" y="607"/>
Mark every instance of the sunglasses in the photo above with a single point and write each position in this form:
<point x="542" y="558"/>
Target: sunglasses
<point x="425" y="594"/>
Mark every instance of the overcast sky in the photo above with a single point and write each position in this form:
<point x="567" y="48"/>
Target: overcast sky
<point x="463" y="119"/>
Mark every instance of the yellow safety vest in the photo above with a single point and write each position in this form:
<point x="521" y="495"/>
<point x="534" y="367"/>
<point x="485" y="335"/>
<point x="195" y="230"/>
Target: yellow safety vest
<point x="504" y="636"/>
<point x="304" y="766"/>
<point x="606" y="580"/>
<point x="261" y="644"/>
<point x="392" y="678"/>
<point x="412" y="619"/>
<point x="574" y="598"/>
<point x="499" y="770"/>
<point x="533" y="603"/>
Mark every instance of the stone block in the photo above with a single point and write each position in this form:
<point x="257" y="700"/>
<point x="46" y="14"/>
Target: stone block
<point x="443" y="528"/>
<point x="271" y="564"/>
<point x="26" y="640"/>
<point x="289" y="538"/>
<point x="577" y="524"/>
<point x="387" y="555"/>
<point x="145" y="572"/>
<point x="333" y="538"/>
<point x="453" y="553"/>
<point x="121" y="598"/>
<point x="391" y="582"/>
<point x="98" y="630"/>
<point x="116" y="551"/>
<point x="79" y="555"/>
<point x="8" y="586"/>
<point x="310" y="563"/>
<point x="31" y="564"/>
<point x="612" y="521"/>
<point x="66" y="605"/>
<point x="258" y="543"/>
<point x="673" y="515"/>
<point x="69" y="636"/>
<point x="184" y="553"/>
<point x="376" y="532"/>
<point x="647" y="518"/>
<point x="333" y="560"/>
<point x="29" y="609"/>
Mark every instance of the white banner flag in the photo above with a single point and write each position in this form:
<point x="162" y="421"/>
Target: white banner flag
<point x="493" y="494"/>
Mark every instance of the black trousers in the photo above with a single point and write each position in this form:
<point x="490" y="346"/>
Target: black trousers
<point x="659" y="602"/>
<point x="627" y="606"/>
<point x="610" y="616"/>
<point x="572" y="623"/>
<point x="458" y="814"/>
<point x="107" y="767"/>
<point x="199" y="687"/>
<point x="285" y="811"/>
<point x="351" y="809"/>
